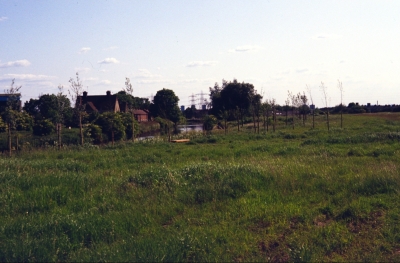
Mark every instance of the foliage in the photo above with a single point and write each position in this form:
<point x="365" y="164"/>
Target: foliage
<point x="165" y="105"/>
<point x="95" y="132"/>
<point x="234" y="97"/>
<point x="23" y="121"/>
<point x="127" y="121"/>
<point x="112" y="125"/>
<point x="43" y="127"/>
<point x="133" y="102"/>
<point x="209" y="121"/>
<point x="3" y="126"/>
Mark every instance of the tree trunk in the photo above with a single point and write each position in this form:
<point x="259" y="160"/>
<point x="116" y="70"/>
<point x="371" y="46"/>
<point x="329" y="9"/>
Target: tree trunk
<point x="286" y="115"/>
<point x="80" y="127"/>
<point x="238" y="122"/>
<point x="267" y="120"/>
<point x="293" y="117"/>
<point x="226" y="127"/>
<point x="313" y="117"/>
<point x="133" y="127"/>
<point x="327" y="119"/>
<point x="59" y="135"/>
<point x="9" y="140"/>
<point x="265" y="123"/>
<point x="273" y="119"/>
<point x="254" y="122"/>
<point x="16" y="142"/>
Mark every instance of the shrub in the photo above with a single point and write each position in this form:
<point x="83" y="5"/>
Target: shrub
<point x="43" y="127"/>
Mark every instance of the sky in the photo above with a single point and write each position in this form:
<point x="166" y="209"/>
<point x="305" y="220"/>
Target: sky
<point x="189" y="45"/>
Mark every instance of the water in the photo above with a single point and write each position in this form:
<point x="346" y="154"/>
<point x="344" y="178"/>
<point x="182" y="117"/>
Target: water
<point x="181" y="129"/>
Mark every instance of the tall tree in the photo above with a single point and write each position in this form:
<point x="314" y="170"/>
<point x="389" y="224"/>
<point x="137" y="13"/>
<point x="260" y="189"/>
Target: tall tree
<point x="235" y="97"/>
<point x="326" y="101"/>
<point x="62" y="104"/>
<point x="12" y="109"/>
<point x="312" y="102"/>
<point x="304" y="107"/>
<point x="340" y="87"/>
<point x="129" y="90"/>
<point x="76" y="92"/>
<point x="255" y="109"/>
<point x="165" y="105"/>
<point x="293" y="102"/>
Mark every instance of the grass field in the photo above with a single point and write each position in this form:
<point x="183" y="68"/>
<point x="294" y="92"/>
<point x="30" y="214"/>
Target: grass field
<point x="293" y="195"/>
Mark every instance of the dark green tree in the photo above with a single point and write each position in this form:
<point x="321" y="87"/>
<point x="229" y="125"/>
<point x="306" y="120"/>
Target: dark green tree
<point x="235" y="97"/>
<point x="112" y="125"/>
<point x="165" y="105"/>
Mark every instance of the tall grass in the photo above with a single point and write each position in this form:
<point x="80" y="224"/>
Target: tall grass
<point x="293" y="195"/>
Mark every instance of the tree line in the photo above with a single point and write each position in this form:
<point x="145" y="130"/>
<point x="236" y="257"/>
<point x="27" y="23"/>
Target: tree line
<point x="232" y="101"/>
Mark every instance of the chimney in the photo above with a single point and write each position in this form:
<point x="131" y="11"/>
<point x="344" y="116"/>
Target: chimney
<point x="85" y="94"/>
<point x="108" y="93"/>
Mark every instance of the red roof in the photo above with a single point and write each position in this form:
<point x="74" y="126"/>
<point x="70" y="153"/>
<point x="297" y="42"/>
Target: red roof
<point x="139" y="112"/>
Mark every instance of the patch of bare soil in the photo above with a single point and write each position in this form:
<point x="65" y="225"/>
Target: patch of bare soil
<point x="372" y="222"/>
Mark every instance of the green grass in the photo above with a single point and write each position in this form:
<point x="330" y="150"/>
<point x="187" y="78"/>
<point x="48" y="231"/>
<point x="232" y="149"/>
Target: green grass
<point x="292" y="195"/>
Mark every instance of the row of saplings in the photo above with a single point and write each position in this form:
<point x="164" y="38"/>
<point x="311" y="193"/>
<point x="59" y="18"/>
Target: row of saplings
<point x="99" y="128"/>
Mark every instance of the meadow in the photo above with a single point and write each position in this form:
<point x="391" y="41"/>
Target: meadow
<point x="293" y="195"/>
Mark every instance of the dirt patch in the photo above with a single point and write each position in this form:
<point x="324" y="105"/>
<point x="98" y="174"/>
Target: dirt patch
<point x="373" y="221"/>
<point x="259" y="226"/>
<point x="322" y="220"/>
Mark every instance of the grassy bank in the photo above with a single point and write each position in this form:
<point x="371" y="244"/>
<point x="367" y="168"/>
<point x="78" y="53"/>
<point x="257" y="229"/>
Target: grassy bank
<point x="292" y="195"/>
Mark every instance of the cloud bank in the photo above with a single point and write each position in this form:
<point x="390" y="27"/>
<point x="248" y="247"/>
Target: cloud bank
<point x="110" y="48"/>
<point x="84" y="50"/>
<point x="26" y="77"/>
<point x="108" y="61"/>
<point x="245" y="48"/>
<point x="145" y="74"/>
<point x="17" y="63"/>
<point x="201" y="63"/>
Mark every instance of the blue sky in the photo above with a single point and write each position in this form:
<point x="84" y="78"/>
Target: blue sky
<point x="189" y="45"/>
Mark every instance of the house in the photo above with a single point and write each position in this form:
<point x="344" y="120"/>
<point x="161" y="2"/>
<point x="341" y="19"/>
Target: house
<point x="5" y="98"/>
<point x="99" y="103"/>
<point x="108" y="103"/>
<point x="141" y="115"/>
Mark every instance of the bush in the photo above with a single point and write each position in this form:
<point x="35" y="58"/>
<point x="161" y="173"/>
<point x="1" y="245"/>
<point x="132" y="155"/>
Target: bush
<point x="111" y="122"/>
<point x="94" y="131"/>
<point x="43" y="127"/>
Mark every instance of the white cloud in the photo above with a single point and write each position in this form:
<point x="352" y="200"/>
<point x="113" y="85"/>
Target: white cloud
<point x="245" y="48"/>
<point x="17" y="63"/>
<point x="201" y="63"/>
<point x="108" y="61"/>
<point x="302" y="70"/>
<point x="26" y="77"/>
<point x="110" y="48"/>
<point x="105" y="82"/>
<point x="146" y="74"/>
<point x="153" y="81"/>
<point x="84" y="50"/>
<point x="3" y="18"/>
<point x="90" y="79"/>
<point x="326" y="36"/>
<point x="82" y="69"/>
